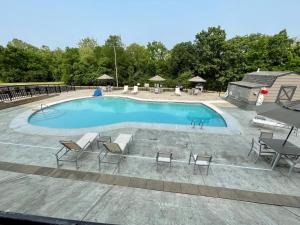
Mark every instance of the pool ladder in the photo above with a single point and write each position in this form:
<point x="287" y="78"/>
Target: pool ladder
<point x="43" y="106"/>
<point x="194" y="123"/>
<point x="47" y="113"/>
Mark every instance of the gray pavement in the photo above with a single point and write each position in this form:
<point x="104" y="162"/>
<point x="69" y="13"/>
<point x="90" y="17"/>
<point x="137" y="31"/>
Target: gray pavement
<point x="69" y="199"/>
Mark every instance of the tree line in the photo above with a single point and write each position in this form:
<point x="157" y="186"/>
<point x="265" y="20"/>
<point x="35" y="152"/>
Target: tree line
<point x="210" y="55"/>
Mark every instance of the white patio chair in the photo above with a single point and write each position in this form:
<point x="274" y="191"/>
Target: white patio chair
<point x="177" y="91"/>
<point x="196" y="91"/>
<point x="135" y="90"/>
<point x="125" y="89"/>
<point x="164" y="158"/>
<point x="200" y="160"/>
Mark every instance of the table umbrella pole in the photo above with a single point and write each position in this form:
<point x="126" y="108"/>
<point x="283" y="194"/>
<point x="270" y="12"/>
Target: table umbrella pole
<point x="288" y="135"/>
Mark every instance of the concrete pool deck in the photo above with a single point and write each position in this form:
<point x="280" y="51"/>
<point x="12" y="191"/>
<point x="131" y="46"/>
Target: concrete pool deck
<point x="231" y="168"/>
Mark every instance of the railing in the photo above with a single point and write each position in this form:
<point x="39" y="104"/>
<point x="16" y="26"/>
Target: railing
<point x="197" y="122"/>
<point x="10" y="93"/>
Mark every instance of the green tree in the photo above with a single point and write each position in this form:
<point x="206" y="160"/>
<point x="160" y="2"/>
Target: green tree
<point x="138" y="59"/>
<point x="159" y="58"/>
<point x="210" y="48"/>
<point x="279" y="50"/>
<point x="183" y="58"/>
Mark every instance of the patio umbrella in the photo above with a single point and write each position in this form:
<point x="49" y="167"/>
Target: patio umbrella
<point x="197" y="79"/>
<point x="288" y="113"/>
<point x="157" y="78"/>
<point x="105" y="77"/>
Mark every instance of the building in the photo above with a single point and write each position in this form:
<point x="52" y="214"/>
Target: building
<point x="281" y="86"/>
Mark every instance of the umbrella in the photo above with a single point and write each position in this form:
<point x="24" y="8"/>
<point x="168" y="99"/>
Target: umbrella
<point x="287" y="113"/>
<point x="105" y="77"/>
<point x="157" y="78"/>
<point x="197" y="79"/>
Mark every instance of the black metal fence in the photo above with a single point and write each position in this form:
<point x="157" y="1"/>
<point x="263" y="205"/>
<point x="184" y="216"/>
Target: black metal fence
<point x="10" y="93"/>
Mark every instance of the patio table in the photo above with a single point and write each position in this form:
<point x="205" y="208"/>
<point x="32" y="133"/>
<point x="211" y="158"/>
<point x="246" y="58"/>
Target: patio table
<point x="277" y="145"/>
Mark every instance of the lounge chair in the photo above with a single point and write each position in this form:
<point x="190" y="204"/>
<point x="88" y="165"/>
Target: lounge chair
<point x="177" y="91"/>
<point x="119" y="147"/>
<point x="200" y="160"/>
<point x="135" y="90"/>
<point x="293" y="163"/>
<point x="125" y="89"/>
<point x="262" y="121"/>
<point x="268" y="123"/>
<point x="164" y="158"/>
<point x="77" y="148"/>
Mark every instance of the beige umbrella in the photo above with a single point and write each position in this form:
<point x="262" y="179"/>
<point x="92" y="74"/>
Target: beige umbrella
<point x="105" y="77"/>
<point x="197" y="79"/>
<point x="157" y="78"/>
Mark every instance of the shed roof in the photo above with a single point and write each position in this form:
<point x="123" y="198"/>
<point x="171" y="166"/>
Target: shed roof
<point x="270" y="73"/>
<point x="266" y="78"/>
<point x="248" y="84"/>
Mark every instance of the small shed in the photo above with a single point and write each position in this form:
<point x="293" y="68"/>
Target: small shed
<point x="281" y="86"/>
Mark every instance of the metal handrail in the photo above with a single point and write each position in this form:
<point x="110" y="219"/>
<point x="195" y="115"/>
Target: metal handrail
<point x="201" y="123"/>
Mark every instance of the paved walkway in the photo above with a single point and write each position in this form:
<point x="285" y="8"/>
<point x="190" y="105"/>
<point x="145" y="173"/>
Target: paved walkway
<point x="158" y="185"/>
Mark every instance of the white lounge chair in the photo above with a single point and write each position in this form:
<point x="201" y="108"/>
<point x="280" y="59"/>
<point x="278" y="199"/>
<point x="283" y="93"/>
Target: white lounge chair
<point x="177" y="91"/>
<point x="119" y="147"/>
<point x="77" y="148"/>
<point x="125" y="89"/>
<point x="262" y="121"/>
<point x="135" y="90"/>
<point x="268" y="123"/>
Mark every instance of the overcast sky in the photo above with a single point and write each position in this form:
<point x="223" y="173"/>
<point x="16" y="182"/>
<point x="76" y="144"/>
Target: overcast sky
<point x="61" y="23"/>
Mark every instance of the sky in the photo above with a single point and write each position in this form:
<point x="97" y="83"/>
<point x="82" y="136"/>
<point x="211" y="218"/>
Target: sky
<point x="62" y="23"/>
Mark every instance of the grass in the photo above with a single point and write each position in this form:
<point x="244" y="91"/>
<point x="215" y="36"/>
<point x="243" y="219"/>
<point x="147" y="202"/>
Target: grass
<point x="32" y="83"/>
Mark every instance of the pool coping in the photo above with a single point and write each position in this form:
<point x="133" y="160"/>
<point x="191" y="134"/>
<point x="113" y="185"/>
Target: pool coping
<point x="20" y="123"/>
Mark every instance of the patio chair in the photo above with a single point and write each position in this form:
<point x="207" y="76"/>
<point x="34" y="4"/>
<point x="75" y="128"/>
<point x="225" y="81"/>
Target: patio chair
<point x="293" y="163"/>
<point x="77" y="148"/>
<point x="164" y="158"/>
<point x="156" y="90"/>
<point x="125" y="89"/>
<point x="200" y="160"/>
<point x="177" y="91"/>
<point x="261" y="150"/>
<point x="135" y="90"/>
<point x="196" y="91"/>
<point x="118" y="147"/>
<point x="264" y="134"/>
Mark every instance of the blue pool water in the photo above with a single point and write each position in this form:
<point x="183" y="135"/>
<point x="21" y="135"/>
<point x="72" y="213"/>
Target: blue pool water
<point x="91" y="112"/>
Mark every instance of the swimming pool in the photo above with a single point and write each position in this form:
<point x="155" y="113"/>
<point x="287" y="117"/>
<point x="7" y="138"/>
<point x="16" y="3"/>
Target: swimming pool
<point x="92" y="112"/>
